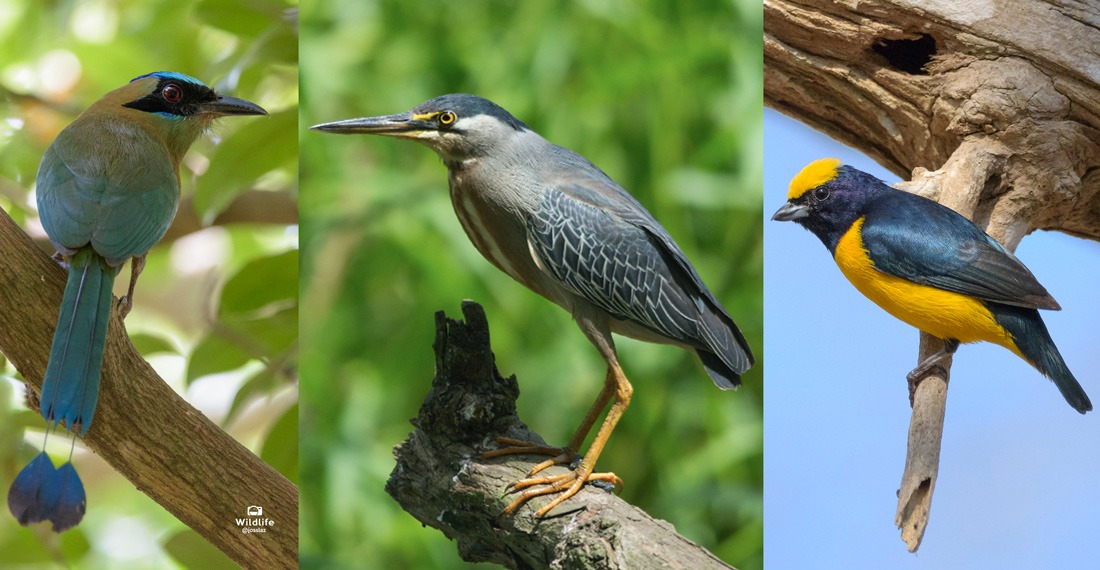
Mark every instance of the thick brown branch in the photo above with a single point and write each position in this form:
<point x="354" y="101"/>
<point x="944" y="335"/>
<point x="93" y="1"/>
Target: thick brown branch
<point x="441" y="480"/>
<point x="152" y="436"/>
<point x="1025" y="97"/>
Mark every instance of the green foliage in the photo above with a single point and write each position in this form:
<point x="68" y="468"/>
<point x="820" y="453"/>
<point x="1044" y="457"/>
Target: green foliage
<point x="216" y="308"/>
<point x="663" y="96"/>
<point x="191" y="551"/>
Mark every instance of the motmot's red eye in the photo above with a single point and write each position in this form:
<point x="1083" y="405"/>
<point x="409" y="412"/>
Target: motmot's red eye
<point x="172" y="93"/>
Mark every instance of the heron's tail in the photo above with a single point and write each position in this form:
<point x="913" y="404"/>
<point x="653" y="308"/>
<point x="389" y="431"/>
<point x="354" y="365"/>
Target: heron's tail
<point x="728" y="354"/>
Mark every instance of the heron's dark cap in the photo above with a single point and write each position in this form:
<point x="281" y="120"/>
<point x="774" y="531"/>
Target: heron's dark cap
<point x="465" y="105"/>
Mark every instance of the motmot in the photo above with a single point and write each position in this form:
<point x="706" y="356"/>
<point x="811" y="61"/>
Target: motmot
<point x="107" y="189"/>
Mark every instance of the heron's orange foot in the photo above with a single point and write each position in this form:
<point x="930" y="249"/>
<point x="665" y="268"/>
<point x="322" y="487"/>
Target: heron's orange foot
<point x="558" y="455"/>
<point x="565" y="485"/>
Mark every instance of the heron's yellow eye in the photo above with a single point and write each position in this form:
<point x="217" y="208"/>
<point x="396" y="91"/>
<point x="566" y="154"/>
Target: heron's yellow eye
<point x="447" y="118"/>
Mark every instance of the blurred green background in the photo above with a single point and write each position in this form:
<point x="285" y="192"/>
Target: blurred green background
<point x="216" y="310"/>
<point x="663" y="96"/>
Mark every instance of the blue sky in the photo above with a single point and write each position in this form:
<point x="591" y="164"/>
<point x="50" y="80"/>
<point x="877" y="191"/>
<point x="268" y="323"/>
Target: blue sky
<point x="1019" y="480"/>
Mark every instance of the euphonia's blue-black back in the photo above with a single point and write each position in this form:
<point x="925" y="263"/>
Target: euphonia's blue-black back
<point x="928" y="266"/>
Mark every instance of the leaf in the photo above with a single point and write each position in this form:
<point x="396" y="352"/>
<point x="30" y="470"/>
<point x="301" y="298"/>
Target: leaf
<point x="230" y="16"/>
<point x="262" y="383"/>
<point x="274" y="334"/>
<point x="192" y="551"/>
<point x="259" y="283"/>
<point x="147" y="344"/>
<point x="262" y="145"/>
<point x="280" y="449"/>
<point x="214" y="355"/>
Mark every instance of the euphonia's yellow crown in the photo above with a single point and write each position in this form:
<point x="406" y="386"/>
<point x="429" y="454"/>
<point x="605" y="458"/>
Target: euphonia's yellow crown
<point x="813" y="175"/>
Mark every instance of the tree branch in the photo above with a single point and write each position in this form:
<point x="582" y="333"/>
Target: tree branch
<point x="441" y="480"/>
<point x="147" y="432"/>
<point x="996" y="120"/>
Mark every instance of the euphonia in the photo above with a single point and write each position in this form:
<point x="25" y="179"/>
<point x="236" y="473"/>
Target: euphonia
<point x="928" y="266"/>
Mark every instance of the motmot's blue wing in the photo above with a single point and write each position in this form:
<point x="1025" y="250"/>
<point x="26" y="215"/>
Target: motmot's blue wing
<point x="120" y="199"/>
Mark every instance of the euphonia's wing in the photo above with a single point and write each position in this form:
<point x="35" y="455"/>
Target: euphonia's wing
<point x="925" y="242"/>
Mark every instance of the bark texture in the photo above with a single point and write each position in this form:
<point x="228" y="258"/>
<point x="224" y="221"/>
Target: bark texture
<point x="990" y="107"/>
<point x="441" y="480"/>
<point x="147" y="432"/>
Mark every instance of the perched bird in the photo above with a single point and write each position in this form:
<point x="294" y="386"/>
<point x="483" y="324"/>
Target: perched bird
<point x="108" y="188"/>
<point x="928" y="266"/>
<point x="556" y="223"/>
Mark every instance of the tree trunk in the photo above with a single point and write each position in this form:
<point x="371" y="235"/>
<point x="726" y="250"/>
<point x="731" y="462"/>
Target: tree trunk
<point x="147" y="432"/>
<point x="441" y="480"/>
<point x="991" y="108"/>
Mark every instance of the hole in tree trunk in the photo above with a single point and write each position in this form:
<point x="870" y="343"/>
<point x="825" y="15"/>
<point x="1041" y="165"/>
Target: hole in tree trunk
<point x="908" y="55"/>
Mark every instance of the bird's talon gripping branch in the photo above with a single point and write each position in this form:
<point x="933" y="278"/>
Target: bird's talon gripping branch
<point x="518" y="446"/>
<point x="567" y="484"/>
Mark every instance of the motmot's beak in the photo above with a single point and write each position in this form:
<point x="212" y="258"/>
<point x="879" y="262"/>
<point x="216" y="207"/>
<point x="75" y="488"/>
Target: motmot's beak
<point x="226" y="105"/>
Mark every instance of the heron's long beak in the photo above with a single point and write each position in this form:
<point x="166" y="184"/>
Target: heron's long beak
<point x="790" y="212"/>
<point x="400" y="125"/>
<point x="225" y="105"/>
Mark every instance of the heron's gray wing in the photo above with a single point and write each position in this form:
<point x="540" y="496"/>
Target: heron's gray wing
<point x="628" y="266"/>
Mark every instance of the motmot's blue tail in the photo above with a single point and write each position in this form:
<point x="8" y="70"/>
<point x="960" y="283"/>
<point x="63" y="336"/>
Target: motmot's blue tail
<point x="1033" y="341"/>
<point x="71" y="386"/>
<point x="42" y="492"/>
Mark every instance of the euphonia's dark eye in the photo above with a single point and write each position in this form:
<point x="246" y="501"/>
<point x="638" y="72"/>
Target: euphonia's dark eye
<point x="447" y="118"/>
<point x="821" y="193"/>
<point x="172" y="93"/>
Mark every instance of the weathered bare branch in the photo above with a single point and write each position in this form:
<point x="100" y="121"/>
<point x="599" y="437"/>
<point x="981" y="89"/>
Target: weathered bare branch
<point x="441" y="480"/>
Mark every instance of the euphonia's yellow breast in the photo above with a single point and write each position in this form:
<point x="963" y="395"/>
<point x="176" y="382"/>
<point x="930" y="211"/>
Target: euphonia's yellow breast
<point x="940" y="313"/>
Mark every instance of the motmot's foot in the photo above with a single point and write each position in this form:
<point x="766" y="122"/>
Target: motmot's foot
<point x="126" y="303"/>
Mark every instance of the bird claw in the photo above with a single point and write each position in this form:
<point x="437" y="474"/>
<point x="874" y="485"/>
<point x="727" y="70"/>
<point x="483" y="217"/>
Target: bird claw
<point x="567" y="484"/>
<point x="915" y="375"/>
<point x="558" y="455"/>
<point x="125" y="305"/>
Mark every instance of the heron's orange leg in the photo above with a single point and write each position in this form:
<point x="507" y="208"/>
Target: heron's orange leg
<point x="558" y="455"/>
<point x="616" y="388"/>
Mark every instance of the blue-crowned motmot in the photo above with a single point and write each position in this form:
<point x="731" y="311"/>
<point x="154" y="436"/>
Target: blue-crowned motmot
<point x="108" y="188"/>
